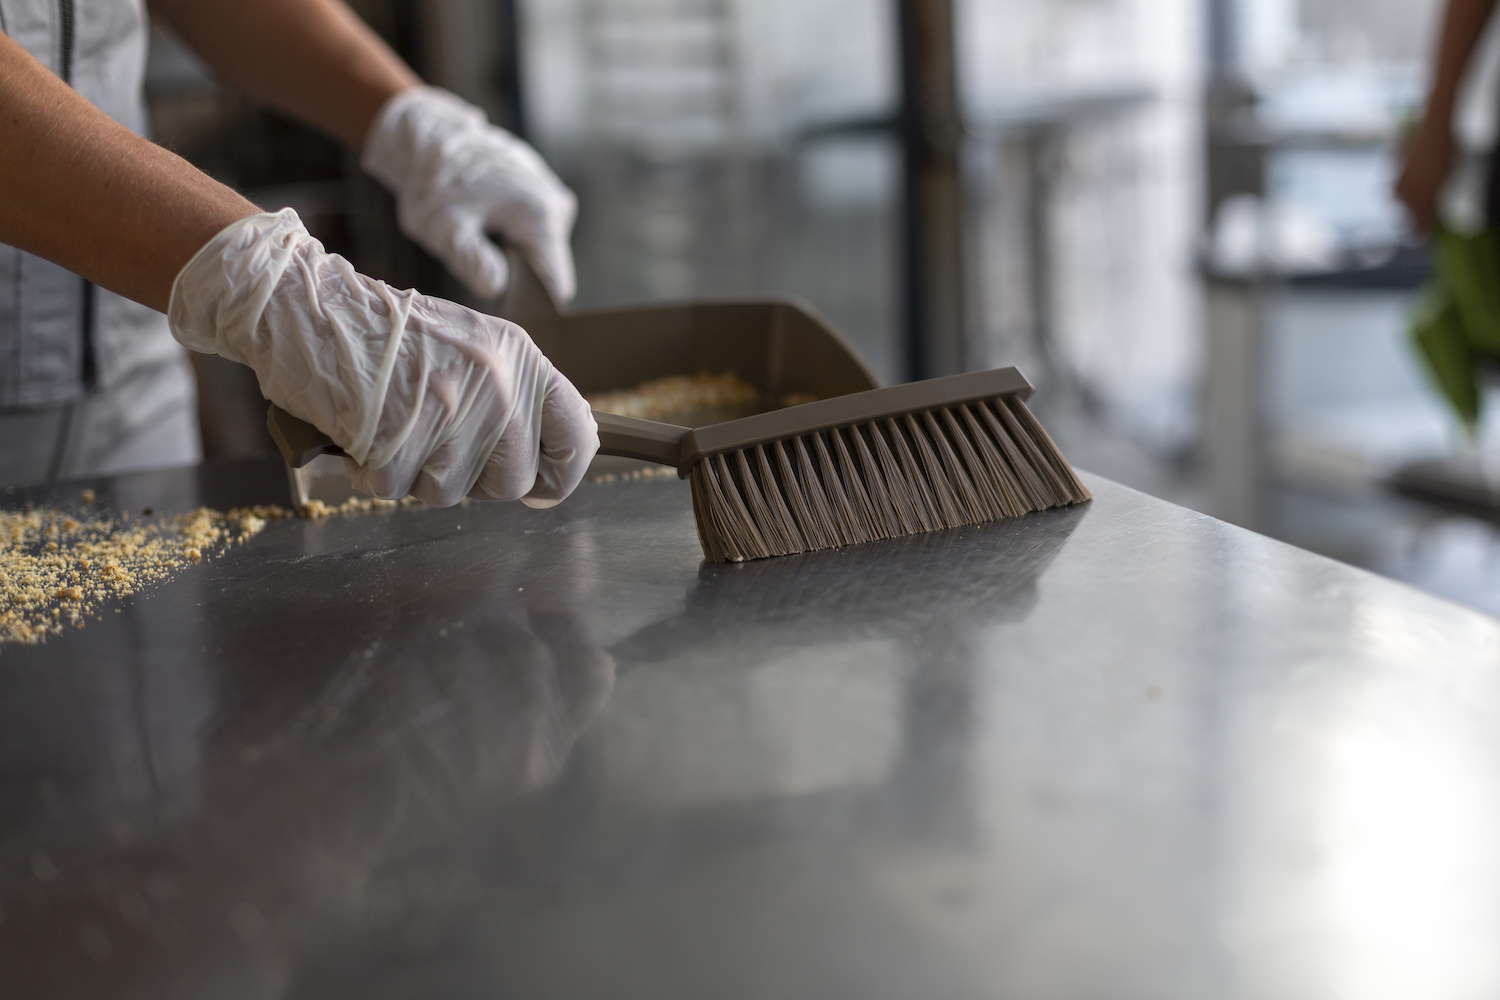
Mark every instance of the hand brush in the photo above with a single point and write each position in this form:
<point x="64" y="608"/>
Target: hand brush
<point x="924" y="456"/>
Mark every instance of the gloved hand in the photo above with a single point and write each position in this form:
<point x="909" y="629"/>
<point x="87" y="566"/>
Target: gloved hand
<point x="457" y="177"/>
<point x="427" y="397"/>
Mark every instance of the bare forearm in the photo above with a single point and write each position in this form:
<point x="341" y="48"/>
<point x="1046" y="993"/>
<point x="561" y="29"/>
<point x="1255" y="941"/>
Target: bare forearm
<point x="1463" y="24"/>
<point x="85" y="192"/>
<point x="312" y="59"/>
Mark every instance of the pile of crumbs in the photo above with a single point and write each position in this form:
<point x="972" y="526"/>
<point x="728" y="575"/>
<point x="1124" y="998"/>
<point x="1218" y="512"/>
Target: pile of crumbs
<point x="704" y="392"/>
<point x="57" y="568"/>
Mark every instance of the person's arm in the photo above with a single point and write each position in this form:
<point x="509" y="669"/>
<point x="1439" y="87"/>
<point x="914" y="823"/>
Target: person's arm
<point x="426" y="396"/>
<point x="457" y="179"/>
<point x="1429" y="154"/>
<point x="85" y="192"/>
<point x="314" y="60"/>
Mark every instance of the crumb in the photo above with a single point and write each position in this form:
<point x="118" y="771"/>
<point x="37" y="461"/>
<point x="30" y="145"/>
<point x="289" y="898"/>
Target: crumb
<point x="87" y="496"/>
<point x="317" y="510"/>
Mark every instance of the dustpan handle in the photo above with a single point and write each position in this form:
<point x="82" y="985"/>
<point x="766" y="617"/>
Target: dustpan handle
<point x="526" y="299"/>
<point x="626" y="437"/>
<point x="300" y="442"/>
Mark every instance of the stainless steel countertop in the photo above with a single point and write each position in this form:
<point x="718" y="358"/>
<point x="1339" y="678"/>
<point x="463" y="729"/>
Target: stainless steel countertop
<point x="1117" y="751"/>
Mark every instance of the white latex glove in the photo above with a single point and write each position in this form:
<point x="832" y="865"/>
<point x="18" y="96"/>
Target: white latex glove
<point x="456" y="178"/>
<point x="426" y="397"/>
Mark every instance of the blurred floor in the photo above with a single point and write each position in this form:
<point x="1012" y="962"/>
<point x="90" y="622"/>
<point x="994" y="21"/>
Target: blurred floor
<point x="1345" y="403"/>
<point x="1091" y="443"/>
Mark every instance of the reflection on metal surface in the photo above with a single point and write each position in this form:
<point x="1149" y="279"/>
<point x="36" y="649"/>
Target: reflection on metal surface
<point x="1124" y="750"/>
<point x="887" y="588"/>
<point x="308" y="790"/>
<point x="271" y="735"/>
<point x="1385" y="799"/>
<point x="805" y="721"/>
<point x="791" y="676"/>
<point x="1407" y="928"/>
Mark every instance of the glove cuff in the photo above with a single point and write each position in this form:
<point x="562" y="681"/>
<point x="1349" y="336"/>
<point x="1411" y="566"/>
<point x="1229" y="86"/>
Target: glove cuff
<point x="409" y="127"/>
<point x="206" y="312"/>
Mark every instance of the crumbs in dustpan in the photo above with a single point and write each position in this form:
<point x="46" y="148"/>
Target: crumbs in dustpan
<point x="693" y="399"/>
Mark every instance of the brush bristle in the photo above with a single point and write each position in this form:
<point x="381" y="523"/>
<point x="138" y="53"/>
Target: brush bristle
<point x="897" y="476"/>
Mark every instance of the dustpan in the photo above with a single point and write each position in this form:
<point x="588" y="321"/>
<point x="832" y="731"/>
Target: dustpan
<point x="779" y="345"/>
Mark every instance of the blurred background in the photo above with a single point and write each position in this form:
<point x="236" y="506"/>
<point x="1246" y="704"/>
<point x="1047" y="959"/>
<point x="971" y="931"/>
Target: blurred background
<point x="1175" y="216"/>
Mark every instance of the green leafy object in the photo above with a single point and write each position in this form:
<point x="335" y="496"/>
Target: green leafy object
<point x="1471" y="267"/>
<point x="1438" y="332"/>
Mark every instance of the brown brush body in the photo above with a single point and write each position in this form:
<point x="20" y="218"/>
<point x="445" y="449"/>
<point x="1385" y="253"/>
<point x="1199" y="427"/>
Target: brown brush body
<point x="964" y="464"/>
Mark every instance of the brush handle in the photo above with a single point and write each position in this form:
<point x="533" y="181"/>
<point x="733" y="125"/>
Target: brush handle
<point x="647" y="440"/>
<point x="625" y="437"/>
